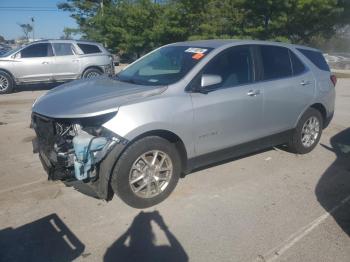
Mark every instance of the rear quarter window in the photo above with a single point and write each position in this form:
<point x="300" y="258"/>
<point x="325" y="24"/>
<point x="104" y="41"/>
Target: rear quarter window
<point x="89" y="48"/>
<point x="316" y="58"/>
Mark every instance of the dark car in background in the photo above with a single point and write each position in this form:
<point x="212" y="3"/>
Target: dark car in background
<point x="4" y="49"/>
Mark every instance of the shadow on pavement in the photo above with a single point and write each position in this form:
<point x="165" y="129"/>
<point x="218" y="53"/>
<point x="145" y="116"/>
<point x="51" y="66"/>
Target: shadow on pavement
<point x="334" y="185"/>
<point x="37" y="87"/>
<point x="46" y="239"/>
<point x="138" y="242"/>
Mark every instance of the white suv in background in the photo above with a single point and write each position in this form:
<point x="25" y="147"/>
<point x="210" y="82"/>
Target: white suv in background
<point x="53" y="61"/>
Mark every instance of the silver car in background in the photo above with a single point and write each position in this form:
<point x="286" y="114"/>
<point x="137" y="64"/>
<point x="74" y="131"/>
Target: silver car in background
<point x="183" y="106"/>
<point x="50" y="61"/>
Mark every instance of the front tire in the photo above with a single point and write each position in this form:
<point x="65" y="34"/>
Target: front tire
<point x="147" y="172"/>
<point x="6" y="83"/>
<point x="307" y="133"/>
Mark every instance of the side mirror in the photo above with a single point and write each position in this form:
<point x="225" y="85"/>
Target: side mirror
<point x="209" y="80"/>
<point x="16" y="56"/>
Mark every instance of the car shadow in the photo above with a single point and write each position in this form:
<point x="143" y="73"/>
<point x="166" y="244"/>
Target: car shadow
<point x="138" y="242"/>
<point x="37" y="87"/>
<point x="46" y="239"/>
<point x="333" y="188"/>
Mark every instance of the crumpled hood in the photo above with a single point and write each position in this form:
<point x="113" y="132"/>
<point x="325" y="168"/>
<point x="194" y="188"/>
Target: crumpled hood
<point x="86" y="98"/>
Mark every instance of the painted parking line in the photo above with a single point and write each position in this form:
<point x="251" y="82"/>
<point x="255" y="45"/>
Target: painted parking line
<point x="293" y="239"/>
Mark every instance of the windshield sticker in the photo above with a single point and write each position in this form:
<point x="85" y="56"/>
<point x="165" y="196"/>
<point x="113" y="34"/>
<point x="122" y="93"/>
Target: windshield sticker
<point x="196" y="50"/>
<point x="198" y="56"/>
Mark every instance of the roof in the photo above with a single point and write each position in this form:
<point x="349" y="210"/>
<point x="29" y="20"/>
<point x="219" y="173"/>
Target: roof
<point x="66" y="41"/>
<point x="217" y="43"/>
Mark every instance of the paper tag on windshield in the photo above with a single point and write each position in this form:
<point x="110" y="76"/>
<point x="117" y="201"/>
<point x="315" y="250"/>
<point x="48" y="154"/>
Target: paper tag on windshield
<point x="198" y="56"/>
<point x="196" y="50"/>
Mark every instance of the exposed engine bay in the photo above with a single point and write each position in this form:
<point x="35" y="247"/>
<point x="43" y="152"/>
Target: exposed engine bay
<point x="71" y="149"/>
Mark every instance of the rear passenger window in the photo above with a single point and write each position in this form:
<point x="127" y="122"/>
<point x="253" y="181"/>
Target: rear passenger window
<point x="62" y="49"/>
<point x="316" y="58"/>
<point x="89" y="49"/>
<point x="297" y="65"/>
<point x="276" y="62"/>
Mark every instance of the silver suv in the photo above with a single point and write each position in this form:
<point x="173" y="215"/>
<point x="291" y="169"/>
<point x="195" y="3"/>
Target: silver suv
<point x="181" y="107"/>
<point x="53" y="61"/>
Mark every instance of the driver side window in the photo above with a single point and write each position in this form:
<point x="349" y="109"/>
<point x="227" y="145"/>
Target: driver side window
<point x="234" y="66"/>
<point x="37" y="50"/>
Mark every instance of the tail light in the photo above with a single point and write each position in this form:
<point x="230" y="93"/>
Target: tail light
<point x="334" y="79"/>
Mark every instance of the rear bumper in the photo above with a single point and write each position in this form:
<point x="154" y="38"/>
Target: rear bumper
<point x="109" y="69"/>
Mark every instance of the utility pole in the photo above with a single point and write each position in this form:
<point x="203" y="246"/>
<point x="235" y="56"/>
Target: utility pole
<point x="33" y="27"/>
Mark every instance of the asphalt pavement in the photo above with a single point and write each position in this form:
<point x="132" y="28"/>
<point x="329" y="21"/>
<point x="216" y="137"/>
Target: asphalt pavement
<point x="269" y="206"/>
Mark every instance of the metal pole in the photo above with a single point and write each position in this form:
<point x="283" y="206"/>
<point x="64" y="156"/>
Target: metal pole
<point x="33" y="28"/>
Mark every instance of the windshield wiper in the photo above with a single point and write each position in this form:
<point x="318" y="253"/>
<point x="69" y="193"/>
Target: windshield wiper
<point x="130" y="80"/>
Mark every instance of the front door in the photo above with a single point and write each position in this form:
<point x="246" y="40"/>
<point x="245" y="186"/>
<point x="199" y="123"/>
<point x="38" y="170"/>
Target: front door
<point x="231" y="112"/>
<point x="34" y="63"/>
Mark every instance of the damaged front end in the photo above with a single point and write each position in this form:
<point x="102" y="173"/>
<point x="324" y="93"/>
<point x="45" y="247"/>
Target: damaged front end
<point x="76" y="149"/>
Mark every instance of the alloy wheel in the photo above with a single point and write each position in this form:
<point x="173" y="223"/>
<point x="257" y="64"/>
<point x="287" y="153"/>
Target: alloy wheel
<point x="4" y="83"/>
<point x="150" y="174"/>
<point x="310" y="131"/>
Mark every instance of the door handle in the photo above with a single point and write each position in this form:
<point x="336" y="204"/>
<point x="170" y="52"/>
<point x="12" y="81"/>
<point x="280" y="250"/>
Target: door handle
<point x="305" y="83"/>
<point x="45" y="63"/>
<point x="253" y="92"/>
<point x="75" y="60"/>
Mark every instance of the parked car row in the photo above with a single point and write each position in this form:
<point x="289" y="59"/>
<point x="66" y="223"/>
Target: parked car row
<point x="338" y="60"/>
<point x="4" y="49"/>
<point x="50" y="61"/>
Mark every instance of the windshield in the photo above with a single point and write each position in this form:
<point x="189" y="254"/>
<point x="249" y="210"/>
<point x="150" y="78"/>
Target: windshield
<point x="164" y="66"/>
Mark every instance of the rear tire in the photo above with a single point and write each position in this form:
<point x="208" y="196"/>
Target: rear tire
<point x="7" y="84"/>
<point x="155" y="180"/>
<point x="308" y="132"/>
<point x="91" y="73"/>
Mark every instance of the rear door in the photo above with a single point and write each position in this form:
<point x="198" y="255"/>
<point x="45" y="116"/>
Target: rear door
<point x="231" y="112"/>
<point x="67" y="62"/>
<point x="288" y="87"/>
<point x="34" y="63"/>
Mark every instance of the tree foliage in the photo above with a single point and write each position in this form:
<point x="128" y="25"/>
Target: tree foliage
<point x="137" y="26"/>
<point x="26" y="28"/>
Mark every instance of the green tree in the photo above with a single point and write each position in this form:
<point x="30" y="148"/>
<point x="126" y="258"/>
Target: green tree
<point x="68" y="33"/>
<point x="137" y="26"/>
<point x="26" y="28"/>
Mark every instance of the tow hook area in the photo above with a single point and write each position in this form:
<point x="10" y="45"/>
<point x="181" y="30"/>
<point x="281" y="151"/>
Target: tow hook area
<point x="72" y="151"/>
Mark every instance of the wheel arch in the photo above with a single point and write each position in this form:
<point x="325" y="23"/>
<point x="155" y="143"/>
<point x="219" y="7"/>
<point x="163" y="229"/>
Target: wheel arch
<point x="320" y="108"/>
<point x="8" y="72"/>
<point x="103" y="185"/>
<point x="172" y="138"/>
<point x="92" y="67"/>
